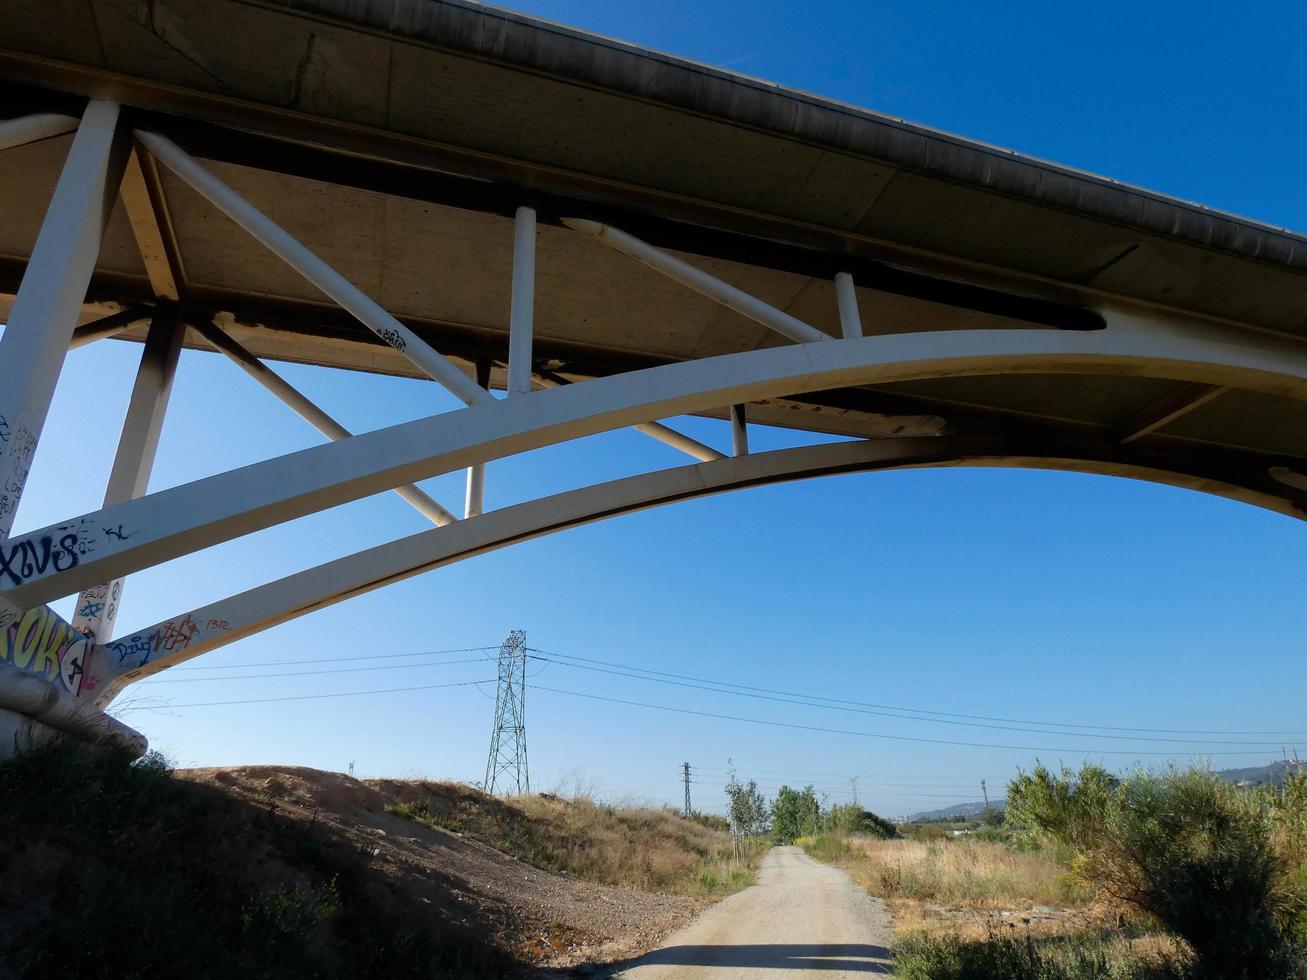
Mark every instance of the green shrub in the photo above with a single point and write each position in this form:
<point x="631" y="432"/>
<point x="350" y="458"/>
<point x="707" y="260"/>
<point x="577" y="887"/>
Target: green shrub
<point x="831" y="848"/>
<point x="1183" y="846"/>
<point x="853" y="819"/>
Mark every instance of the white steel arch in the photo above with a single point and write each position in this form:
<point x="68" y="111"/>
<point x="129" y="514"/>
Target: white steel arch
<point x="201" y="630"/>
<point x="136" y="534"/>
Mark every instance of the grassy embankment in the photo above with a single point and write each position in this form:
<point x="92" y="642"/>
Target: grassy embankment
<point x="110" y="869"/>
<point x="632" y="847"/>
<point x="115" y="870"/>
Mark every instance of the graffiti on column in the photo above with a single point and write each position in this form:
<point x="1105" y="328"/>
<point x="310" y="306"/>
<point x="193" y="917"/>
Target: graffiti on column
<point x="43" y="644"/>
<point x="17" y="446"/>
<point x="175" y="636"/>
<point x="22" y="558"/>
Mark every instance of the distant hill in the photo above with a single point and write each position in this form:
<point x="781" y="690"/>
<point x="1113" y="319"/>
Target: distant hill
<point x="966" y="810"/>
<point x="1261" y="775"/>
<point x="1252" y="776"/>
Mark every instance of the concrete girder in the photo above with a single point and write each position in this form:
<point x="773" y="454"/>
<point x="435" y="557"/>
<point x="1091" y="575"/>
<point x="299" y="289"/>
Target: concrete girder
<point x="217" y="624"/>
<point x="177" y="521"/>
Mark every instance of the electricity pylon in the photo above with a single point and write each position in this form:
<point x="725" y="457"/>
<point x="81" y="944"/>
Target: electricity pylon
<point x="506" y="768"/>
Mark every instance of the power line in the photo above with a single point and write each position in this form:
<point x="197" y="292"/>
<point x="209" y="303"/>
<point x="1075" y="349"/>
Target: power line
<point x="310" y="673"/>
<point x="894" y="738"/>
<point x="316" y="697"/>
<point x="842" y="776"/>
<point x="925" y="711"/>
<point x="815" y="703"/>
<point x="331" y="660"/>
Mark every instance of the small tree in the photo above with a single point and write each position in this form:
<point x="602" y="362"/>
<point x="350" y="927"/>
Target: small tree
<point x="795" y="813"/>
<point x="991" y="816"/>
<point x="747" y="808"/>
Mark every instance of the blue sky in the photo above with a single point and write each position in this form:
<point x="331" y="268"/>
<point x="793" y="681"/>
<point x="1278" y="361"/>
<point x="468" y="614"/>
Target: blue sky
<point x="1026" y="595"/>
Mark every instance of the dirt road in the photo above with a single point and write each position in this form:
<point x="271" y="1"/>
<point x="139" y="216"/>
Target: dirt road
<point x="802" y="919"/>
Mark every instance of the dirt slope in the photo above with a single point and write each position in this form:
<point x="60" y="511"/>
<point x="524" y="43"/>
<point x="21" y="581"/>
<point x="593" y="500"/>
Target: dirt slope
<point x="545" y="917"/>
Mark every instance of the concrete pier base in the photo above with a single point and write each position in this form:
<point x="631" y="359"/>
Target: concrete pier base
<point x="34" y="712"/>
<point x="18" y="733"/>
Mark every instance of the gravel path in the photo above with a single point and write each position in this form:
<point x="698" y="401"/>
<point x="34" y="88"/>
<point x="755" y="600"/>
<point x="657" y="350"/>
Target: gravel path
<point x="802" y="919"/>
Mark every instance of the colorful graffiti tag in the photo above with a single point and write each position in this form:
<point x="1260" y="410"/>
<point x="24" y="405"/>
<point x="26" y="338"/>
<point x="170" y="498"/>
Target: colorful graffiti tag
<point x="42" y="643"/>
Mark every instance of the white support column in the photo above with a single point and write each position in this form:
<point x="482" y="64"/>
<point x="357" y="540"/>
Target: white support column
<point x="521" y="315"/>
<point x="847" y="297"/>
<point x="474" y="503"/>
<point x="311" y="267"/>
<point x="700" y="281"/>
<point x="45" y="310"/>
<point x="29" y="129"/>
<point x="739" y="431"/>
<point x="309" y="412"/>
<point x="97" y="607"/>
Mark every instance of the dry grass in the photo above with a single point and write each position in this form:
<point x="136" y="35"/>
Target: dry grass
<point x="634" y="847"/>
<point x="969" y="874"/>
<point x="965" y="888"/>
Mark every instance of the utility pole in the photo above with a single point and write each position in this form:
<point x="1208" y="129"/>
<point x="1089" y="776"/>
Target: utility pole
<point x="985" y="793"/>
<point x="685" y="772"/>
<point x="506" y="768"/>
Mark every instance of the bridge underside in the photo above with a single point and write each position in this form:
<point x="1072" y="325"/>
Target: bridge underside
<point x="432" y="189"/>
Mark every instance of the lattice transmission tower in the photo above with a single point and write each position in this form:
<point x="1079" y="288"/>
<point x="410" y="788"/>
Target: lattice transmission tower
<point x="506" y="769"/>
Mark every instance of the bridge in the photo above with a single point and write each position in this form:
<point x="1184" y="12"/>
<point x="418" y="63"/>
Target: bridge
<point x="608" y="236"/>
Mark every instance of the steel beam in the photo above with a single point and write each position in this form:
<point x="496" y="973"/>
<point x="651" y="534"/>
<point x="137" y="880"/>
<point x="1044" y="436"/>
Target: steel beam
<point x="186" y="518"/>
<point x="151" y="221"/>
<point x="1170" y="408"/>
<point x="701" y="282"/>
<point x="107" y="326"/>
<point x="474" y="501"/>
<point x="97" y="607"/>
<point x="846" y="295"/>
<point x="207" y="628"/>
<point x="29" y="129"/>
<point x="522" y="310"/>
<point x="306" y="409"/>
<point x="739" y="431"/>
<point x="654" y="430"/>
<point x="49" y="300"/>
<point x="311" y="267"/>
